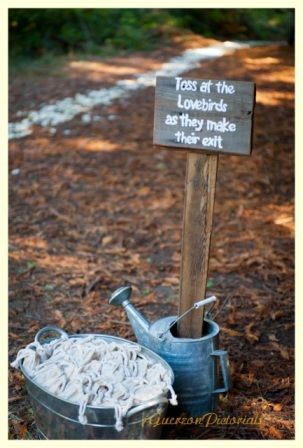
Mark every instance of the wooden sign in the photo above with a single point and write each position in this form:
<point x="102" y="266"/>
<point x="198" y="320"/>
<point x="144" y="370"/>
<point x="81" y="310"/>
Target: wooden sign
<point x="204" y="114"/>
<point x="207" y="117"/>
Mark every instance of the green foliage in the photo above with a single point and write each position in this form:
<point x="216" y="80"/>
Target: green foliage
<point x="36" y="32"/>
<point x="266" y="24"/>
<point x="33" y="32"/>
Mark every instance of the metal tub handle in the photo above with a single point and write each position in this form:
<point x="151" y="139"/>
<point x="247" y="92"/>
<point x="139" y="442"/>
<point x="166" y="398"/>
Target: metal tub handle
<point x="145" y="406"/>
<point x="224" y="364"/>
<point x="50" y="329"/>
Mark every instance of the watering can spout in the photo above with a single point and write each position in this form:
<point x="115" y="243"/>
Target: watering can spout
<point x="138" y="322"/>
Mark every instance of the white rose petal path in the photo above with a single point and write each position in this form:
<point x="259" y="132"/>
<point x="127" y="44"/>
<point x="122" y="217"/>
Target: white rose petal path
<point x="58" y="112"/>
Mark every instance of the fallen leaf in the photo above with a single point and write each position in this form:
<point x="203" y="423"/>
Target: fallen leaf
<point x="277" y="407"/>
<point x="250" y="336"/>
<point x="275" y="433"/>
<point x="171" y="281"/>
<point x="276" y="314"/>
<point x="210" y="283"/>
<point x="273" y="338"/>
<point x="230" y="332"/>
<point x="30" y="265"/>
<point x="144" y="191"/>
<point x="20" y="427"/>
<point x="106" y="240"/>
<point x="283" y="350"/>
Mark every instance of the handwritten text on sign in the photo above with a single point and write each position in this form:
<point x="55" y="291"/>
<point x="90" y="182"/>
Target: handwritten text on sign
<point x="203" y="114"/>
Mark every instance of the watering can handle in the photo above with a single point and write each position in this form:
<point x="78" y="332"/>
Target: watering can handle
<point x="224" y="364"/>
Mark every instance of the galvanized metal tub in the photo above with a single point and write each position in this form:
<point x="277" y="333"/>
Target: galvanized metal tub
<point x="58" y="419"/>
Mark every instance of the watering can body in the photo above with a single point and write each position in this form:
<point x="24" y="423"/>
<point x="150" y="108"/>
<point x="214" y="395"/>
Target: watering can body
<point x="197" y="364"/>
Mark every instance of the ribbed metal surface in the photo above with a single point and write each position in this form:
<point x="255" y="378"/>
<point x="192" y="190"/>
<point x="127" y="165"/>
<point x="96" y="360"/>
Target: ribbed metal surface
<point x="58" y="419"/>
<point x="193" y="362"/>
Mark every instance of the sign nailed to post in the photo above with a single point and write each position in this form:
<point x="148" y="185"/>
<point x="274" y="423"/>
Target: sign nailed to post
<point x="204" y="115"/>
<point x="207" y="117"/>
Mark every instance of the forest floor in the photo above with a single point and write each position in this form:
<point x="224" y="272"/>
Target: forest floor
<point x="95" y="206"/>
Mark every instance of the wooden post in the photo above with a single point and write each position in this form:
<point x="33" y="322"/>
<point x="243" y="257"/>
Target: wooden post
<point x="209" y="117"/>
<point x="200" y="186"/>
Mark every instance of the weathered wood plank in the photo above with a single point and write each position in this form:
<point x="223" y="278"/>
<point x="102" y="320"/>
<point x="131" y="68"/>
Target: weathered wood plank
<point x="200" y="188"/>
<point x="207" y="120"/>
<point x="206" y="117"/>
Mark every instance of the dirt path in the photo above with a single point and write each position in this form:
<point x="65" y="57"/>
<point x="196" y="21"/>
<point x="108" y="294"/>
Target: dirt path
<point x="98" y="206"/>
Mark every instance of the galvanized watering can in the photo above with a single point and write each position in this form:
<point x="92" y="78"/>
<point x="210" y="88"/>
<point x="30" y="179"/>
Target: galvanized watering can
<point x="198" y="364"/>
